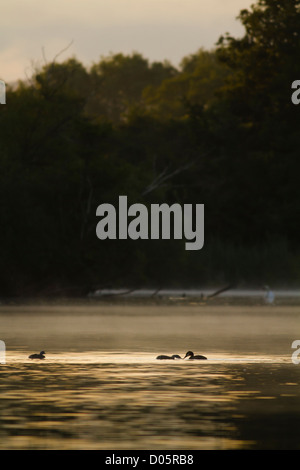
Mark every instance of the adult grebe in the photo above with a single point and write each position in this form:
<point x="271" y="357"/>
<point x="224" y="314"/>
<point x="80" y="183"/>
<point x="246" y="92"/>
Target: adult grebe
<point x="191" y="356"/>
<point x="175" y="356"/>
<point x="37" y="356"/>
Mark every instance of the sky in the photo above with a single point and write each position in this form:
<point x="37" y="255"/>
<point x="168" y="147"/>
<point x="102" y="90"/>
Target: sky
<point x="33" y="32"/>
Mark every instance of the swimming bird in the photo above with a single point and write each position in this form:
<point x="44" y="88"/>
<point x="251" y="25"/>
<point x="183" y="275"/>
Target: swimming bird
<point x="175" y="356"/>
<point x="37" y="356"/>
<point x="191" y="356"/>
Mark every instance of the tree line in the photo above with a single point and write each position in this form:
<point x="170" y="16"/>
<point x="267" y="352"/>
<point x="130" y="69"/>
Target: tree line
<point x="219" y="130"/>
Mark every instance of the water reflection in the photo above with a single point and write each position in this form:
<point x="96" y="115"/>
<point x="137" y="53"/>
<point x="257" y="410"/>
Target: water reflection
<point x="146" y="405"/>
<point x="125" y="399"/>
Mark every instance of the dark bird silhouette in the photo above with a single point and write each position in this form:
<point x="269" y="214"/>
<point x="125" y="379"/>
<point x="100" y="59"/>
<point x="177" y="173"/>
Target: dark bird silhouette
<point x="191" y="356"/>
<point x="37" y="356"/>
<point x="175" y="356"/>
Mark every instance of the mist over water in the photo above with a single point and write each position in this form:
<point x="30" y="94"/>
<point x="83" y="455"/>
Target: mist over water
<point x="101" y="387"/>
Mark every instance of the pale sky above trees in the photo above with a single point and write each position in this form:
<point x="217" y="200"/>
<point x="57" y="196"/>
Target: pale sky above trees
<point x="32" y="31"/>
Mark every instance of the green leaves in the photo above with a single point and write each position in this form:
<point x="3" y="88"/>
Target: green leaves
<point x="220" y="130"/>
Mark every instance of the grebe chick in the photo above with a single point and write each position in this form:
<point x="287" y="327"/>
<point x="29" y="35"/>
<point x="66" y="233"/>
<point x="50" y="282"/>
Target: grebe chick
<point x="37" y="356"/>
<point x="191" y="356"/>
<point x="175" y="356"/>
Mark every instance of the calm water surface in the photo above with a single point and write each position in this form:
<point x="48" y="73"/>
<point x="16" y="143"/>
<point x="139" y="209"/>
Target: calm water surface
<point x="100" y="386"/>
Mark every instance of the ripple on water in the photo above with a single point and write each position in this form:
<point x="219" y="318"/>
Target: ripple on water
<point x="100" y="386"/>
<point x="99" y="400"/>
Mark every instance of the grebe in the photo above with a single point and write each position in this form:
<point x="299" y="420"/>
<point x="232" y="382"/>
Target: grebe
<point x="175" y="356"/>
<point x="191" y="356"/>
<point x="37" y="356"/>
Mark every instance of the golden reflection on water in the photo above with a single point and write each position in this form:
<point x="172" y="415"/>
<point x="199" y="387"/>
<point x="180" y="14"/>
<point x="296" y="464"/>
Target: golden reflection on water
<point x="131" y="402"/>
<point x="123" y="398"/>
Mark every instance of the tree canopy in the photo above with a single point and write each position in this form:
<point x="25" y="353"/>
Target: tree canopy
<point x="219" y="130"/>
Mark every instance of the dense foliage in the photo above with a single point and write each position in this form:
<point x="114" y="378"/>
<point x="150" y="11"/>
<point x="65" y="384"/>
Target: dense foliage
<point x="219" y="130"/>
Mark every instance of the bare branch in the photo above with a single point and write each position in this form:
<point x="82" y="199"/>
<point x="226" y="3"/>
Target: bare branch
<point x="62" y="51"/>
<point x="165" y="176"/>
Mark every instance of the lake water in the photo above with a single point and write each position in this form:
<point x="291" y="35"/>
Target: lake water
<point x="101" y="387"/>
